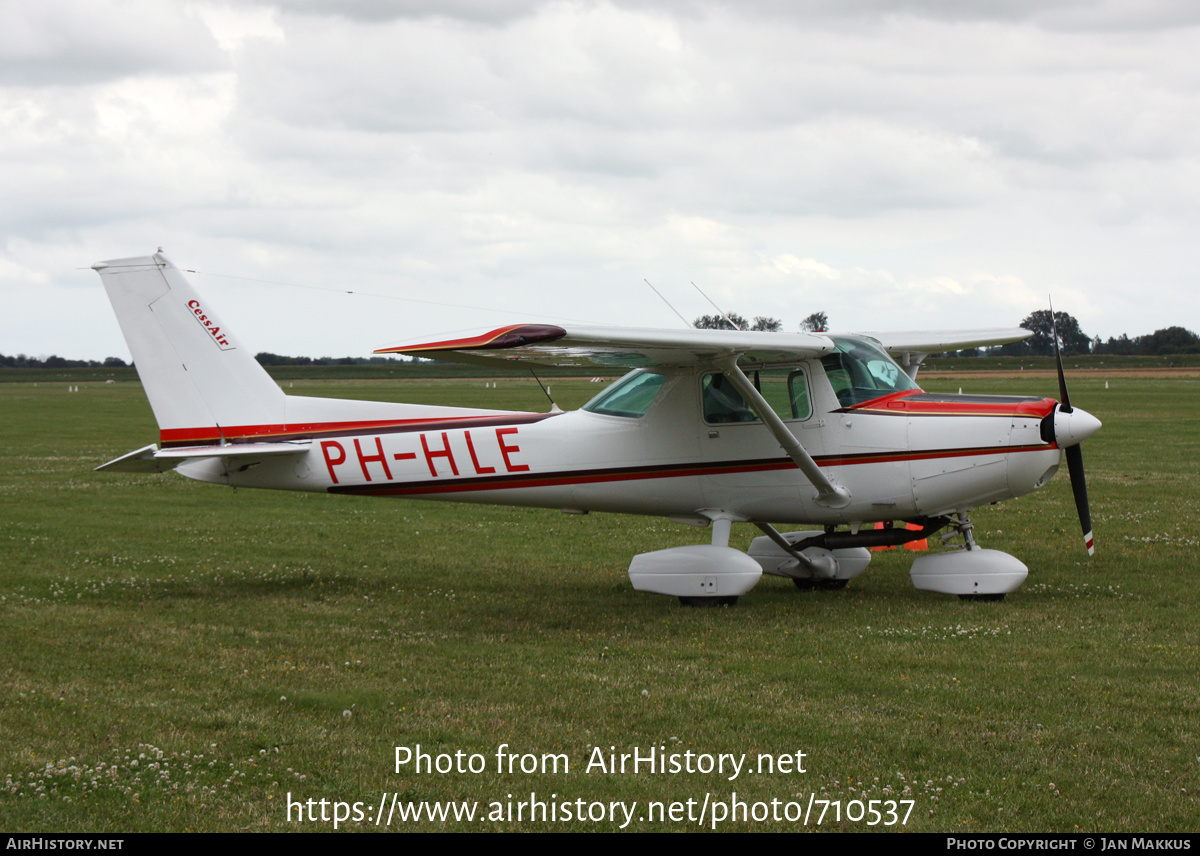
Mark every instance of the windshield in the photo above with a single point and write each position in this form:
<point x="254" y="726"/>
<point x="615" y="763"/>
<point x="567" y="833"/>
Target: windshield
<point x="631" y="396"/>
<point x="860" y="371"/>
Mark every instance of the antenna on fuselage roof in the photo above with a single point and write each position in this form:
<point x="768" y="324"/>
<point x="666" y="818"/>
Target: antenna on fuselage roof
<point x="686" y="323"/>
<point x="720" y="311"/>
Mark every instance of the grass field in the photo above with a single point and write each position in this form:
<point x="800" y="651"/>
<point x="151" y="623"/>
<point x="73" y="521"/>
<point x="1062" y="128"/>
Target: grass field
<point x="178" y="656"/>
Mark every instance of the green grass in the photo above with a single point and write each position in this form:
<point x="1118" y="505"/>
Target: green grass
<point x="219" y="639"/>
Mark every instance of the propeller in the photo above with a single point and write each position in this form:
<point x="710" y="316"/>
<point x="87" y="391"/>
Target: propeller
<point x="1071" y="427"/>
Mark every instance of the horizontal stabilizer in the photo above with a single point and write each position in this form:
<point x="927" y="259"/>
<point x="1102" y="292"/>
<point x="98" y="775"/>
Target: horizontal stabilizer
<point x="140" y="461"/>
<point x="151" y="459"/>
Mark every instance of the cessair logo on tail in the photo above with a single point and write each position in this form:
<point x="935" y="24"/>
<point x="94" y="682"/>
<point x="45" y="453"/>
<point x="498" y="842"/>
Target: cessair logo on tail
<point x="207" y="323"/>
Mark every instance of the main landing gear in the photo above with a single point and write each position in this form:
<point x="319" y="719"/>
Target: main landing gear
<point x="716" y="574"/>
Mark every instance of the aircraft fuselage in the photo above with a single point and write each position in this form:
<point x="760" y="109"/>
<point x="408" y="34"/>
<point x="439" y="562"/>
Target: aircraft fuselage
<point x="904" y="455"/>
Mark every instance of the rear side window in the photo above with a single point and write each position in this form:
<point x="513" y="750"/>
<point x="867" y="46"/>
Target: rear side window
<point x="631" y="396"/>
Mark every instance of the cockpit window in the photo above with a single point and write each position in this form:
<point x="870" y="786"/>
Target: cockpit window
<point x="631" y="396"/>
<point x="861" y="371"/>
<point x="722" y="402"/>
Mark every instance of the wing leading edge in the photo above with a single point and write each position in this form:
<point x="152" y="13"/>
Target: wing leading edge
<point x="548" y="345"/>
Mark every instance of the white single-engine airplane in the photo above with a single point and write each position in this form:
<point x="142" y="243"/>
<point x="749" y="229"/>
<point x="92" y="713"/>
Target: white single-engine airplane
<point x="710" y="428"/>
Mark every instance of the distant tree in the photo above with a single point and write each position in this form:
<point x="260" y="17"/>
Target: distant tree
<point x="114" y="363"/>
<point x="1116" y="345"/>
<point x="266" y="358"/>
<point x="1072" y="339"/>
<point x="818" y="322"/>
<point x="716" y="322"/>
<point x="1171" y="340"/>
<point x="763" y="323"/>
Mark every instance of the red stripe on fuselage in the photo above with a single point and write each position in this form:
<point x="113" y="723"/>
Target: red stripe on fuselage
<point x="919" y="403"/>
<point x="615" y="474"/>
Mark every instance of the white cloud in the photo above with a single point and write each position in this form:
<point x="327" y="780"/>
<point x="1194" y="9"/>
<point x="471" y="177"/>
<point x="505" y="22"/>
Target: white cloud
<point x="231" y="25"/>
<point x="888" y="164"/>
<point x="69" y="42"/>
<point x="789" y="264"/>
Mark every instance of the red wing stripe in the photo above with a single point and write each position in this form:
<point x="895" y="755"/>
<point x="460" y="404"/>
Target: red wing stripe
<point x="513" y="336"/>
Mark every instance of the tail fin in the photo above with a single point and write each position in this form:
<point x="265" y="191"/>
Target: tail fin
<point x="201" y="382"/>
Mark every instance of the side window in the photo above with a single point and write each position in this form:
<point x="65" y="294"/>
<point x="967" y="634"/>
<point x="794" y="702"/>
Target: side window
<point x="785" y="390"/>
<point x="798" y="395"/>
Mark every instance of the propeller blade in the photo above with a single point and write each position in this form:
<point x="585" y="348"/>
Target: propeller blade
<point x="1063" y="396"/>
<point x="1074" y="453"/>
<point x="1079" y="488"/>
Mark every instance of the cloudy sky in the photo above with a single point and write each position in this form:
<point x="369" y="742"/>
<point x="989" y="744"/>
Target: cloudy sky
<point x="467" y="163"/>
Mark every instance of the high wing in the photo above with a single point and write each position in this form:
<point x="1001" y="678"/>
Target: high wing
<point x="938" y="341"/>
<point x="550" y="345"/>
<point x="910" y="348"/>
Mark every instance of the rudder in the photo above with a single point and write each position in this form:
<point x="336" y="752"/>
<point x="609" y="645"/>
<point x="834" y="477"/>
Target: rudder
<point x="200" y="381"/>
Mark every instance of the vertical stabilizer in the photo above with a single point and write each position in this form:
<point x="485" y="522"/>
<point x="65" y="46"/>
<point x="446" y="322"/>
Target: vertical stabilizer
<point x="200" y="381"/>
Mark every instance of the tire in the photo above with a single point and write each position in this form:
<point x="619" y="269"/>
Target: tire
<point x="821" y="585"/>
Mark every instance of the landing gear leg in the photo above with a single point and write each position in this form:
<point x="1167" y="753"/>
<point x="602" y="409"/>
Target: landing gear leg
<point x="961" y="527"/>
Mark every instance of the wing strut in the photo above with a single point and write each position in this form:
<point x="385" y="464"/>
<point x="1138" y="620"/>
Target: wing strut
<point x="828" y="493"/>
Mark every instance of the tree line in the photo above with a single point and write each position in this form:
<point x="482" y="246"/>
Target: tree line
<point x="1073" y="341"/>
<point x="21" y="361"/>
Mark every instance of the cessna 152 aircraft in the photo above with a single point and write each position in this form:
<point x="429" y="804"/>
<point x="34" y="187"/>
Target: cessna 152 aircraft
<point x="709" y="428"/>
